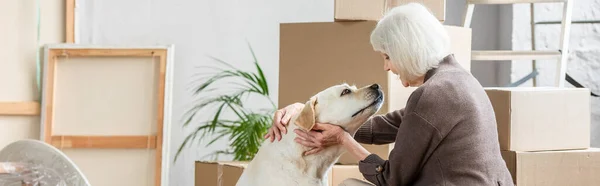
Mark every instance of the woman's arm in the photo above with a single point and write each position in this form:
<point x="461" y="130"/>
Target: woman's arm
<point x="416" y="141"/>
<point x="329" y="135"/>
<point x="380" y="129"/>
<point x="354" y="148"/>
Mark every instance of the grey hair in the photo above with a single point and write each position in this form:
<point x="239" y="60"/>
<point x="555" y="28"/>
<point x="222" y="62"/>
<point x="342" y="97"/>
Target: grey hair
<point x="413" y="38"/>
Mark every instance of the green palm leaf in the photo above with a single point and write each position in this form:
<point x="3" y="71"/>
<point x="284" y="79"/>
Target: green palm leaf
<point x="246" y="130"/>
<point x="263" y="84"/>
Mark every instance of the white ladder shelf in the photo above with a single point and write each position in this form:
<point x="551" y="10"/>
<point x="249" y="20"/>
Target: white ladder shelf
<point x="561" y="54"/>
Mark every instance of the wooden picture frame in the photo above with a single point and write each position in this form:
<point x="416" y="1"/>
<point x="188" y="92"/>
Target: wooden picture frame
<point x="70" y="21"/>
<point x="23" y="108"/>
<point x="159" y="142"/>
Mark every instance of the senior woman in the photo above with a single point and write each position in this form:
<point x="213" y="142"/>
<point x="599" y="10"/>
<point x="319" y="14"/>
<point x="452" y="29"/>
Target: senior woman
<point x="446" y="134"/>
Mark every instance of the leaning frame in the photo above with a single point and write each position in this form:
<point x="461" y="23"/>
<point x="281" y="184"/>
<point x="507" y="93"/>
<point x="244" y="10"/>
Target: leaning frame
<point x="160" y="142"/>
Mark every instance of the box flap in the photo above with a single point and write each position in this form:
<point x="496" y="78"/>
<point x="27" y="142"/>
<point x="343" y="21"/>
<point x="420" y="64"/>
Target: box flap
<point x="218" y="173"/>
<point x="230" y="174"/>
<point x="206" y="173"/>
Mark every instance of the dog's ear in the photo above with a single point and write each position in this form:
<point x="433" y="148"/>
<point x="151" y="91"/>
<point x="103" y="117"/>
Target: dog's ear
<point x="306" y="118"/>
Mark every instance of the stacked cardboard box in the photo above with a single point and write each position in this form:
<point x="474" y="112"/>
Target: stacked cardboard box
<point x="544" y="135"/>
<point x="564" y="167"/>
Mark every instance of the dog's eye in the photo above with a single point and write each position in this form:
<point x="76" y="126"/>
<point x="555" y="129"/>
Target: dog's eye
<point x="345" y="91"/>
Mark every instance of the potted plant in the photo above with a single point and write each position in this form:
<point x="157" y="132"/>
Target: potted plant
<point x="246" y="131"/>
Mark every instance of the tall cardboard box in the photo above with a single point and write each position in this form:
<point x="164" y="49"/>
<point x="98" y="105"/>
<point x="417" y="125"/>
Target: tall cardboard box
<point x="314" y="56"/>
<point x="554" y="168"/>
<point x="353" y="10"/>
<point x="541" y="118"/>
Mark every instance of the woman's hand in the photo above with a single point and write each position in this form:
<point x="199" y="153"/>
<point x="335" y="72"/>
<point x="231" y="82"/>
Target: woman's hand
<point x="282" y="117"/>
<point x="321" y="136"/>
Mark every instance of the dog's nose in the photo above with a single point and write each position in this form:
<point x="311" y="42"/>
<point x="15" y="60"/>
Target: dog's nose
<point x="374" y="86"/>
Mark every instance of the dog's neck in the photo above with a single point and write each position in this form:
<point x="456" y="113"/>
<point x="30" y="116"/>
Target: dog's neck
<point x="314" y="164"/>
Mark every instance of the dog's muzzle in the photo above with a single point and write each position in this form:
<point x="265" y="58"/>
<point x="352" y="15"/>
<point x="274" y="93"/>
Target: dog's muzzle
<point x="376" y="94"/>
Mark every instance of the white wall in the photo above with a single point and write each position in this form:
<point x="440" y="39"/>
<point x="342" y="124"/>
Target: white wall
<point x="584" y="57"/>
<point x="198" y="28"/>
<point x="18" y="46"/>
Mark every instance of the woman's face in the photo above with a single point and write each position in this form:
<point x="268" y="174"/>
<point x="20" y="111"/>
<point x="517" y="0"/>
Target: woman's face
<point x="387" y="66"/>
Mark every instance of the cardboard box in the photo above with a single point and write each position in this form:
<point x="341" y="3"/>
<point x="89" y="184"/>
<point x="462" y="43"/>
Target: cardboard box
<point x="314" y="56"/>
<point x="436" y="7"/>
<point x="206" y="173"/>
<point x="231" y="173"/>
<point x="554" y="168"/>
<point x="538" y="118"/>
<point x="373" y="10"/>
<point x="353" y="10"/>
<point x="223" y="173"/>
<point x="209" y="173"/>
<point x="343" y="172"/>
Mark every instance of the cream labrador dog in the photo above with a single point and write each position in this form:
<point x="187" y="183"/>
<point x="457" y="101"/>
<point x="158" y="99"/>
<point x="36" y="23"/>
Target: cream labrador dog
<point x="283" y="163"/>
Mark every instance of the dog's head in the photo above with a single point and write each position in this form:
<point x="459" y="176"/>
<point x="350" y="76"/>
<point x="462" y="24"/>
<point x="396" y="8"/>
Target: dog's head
<point x="343" y="105"/>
